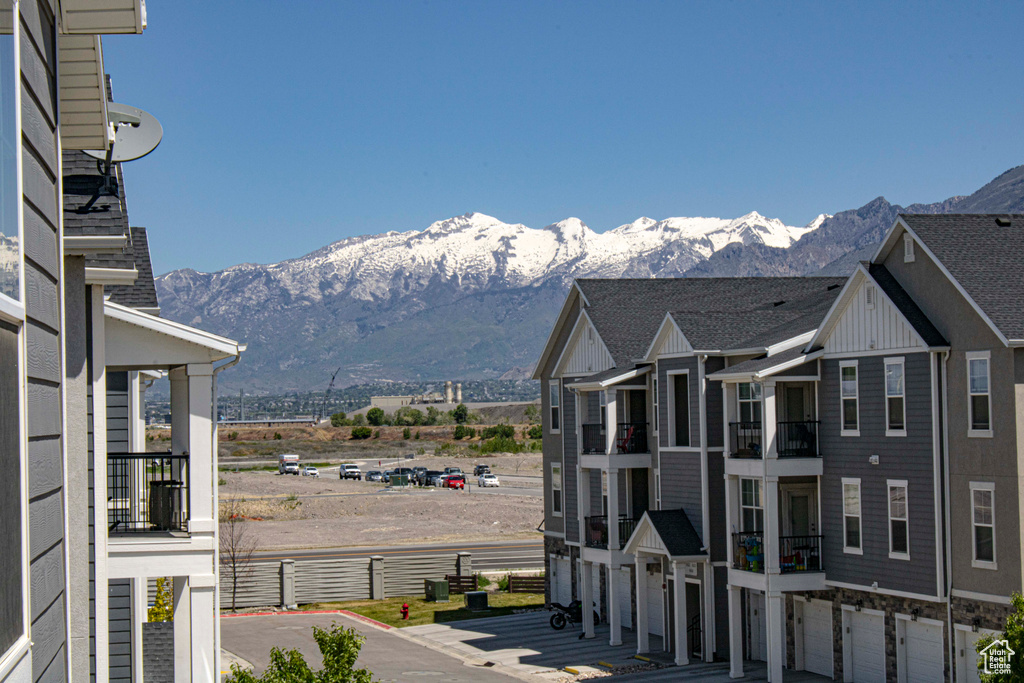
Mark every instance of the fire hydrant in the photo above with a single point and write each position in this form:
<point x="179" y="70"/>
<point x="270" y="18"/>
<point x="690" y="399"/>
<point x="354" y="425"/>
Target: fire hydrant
<point x="405" y="610"/>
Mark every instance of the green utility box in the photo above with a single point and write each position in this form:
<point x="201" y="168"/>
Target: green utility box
<point x="399" y="480"/>
<point x="435" y="591"/>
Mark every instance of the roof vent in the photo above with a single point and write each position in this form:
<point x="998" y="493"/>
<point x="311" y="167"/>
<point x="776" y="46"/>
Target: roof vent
<point x="831" y="287"/>
<point x="778" y="303"/>
<point x="1003" y="222"/>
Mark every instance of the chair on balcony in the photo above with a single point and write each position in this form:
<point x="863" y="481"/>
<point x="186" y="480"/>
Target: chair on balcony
<point x="625" y="443"/>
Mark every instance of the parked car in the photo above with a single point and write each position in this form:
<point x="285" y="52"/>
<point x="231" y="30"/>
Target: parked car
<point x="481" y="469"/>
<point x="452" y="470"/>
<point x="455" y="481"/>
<point x="427" y="478"/>
<point x="350" y="471"/>
<point x="386" y="477"/>
<point x="488" y="480"/>
<point x="434" y="477"/>
<point x="310" y="471"/>
<point x="374" y="475"/>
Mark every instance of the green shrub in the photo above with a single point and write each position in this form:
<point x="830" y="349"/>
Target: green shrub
<point x="417" y="434"/>
<point x="361" y="432"/>
<point x="507" y="431"/>
<point x="503" y="583"/>
<point x="376" y="434"/>
<point x="277" y="436"/>
<point x="470" y="432"/>
<point x="500" y="444"/>
<point x="460" y="413"/>
<point x="339" y="420"/>
<point x="459" y="433"/>
<point x="231" y="437"/>
<point x="375" y="416"/>
<point x="535" y="432"/>
<point x="536" y="446"/>
<point x="406" y="433"/>
<point x="358" y="420"/>
<point x="482" y="581"/>
<point x="339" y="649"/>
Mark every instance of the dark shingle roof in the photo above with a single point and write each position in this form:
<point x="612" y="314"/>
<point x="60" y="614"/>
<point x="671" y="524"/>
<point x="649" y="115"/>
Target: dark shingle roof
<point x="676" y="532"/>
<point x="713" y="313"/>
<point x="142" y="294"/>
<point x="88" y="210"/>
<point x="908" y="307"/>
<point x="984" y="257"/>
<point x="761" y="362"/>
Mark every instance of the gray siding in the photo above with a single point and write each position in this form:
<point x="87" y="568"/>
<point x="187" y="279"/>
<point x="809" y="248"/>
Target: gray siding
<point x="570" y="510"/>
<point x="909" y="458"/>
<point x="713" y="402"/>
<point x="552" y="443"/>
<point x="10" y="490"/>
<point x="40" y="170"/>
<point x="681" y="485"/>
<point x="664" y="367"/>
<point x="120" y="616"/>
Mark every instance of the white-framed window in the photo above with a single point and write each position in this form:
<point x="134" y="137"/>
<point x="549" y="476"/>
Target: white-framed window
<point x="983" y="522"/>
<point x="679" y="407"/>
<point x="748" y="396"/>
<point x="851" y="517"/>
<point x="556" y="489"/>
<point x="908" y="248"/>
<point x="604" y="492"/>
<point x="899" y="527"/>
<point x="751" y="505"/>
<point x="849" y="392"/>
<point x="555" y="401"/>
<point x="12" y="262"/>
<point x="602" y="402"/>
<point x="657" y="489"/>
<point x="895" y="397"/>
<point x="979" y="394"/>
<point x="654" y="389"/>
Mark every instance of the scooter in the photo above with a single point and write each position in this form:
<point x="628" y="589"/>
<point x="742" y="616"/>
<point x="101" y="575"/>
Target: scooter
<point x="568" y="614"/>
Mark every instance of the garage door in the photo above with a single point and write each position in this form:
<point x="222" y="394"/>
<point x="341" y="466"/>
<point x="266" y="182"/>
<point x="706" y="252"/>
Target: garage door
<point x="561" y="584"/>
<point x="866" y="647"/>
<point x="921" y="653"/>
<point x="967" y="656"/>
<point x="625" y="598"/>
<point x="655" y="606"/>
<point x="817" y="639"/>
<point x="758" y="620"/>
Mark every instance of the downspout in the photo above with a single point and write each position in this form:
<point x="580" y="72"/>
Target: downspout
<point x="945" y="508"/>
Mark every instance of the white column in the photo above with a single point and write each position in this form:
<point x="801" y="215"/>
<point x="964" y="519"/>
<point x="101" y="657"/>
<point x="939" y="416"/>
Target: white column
<point x="679" y="576"/>
<point x="735" y="633"/>
<point x="182" y="631"/>
<point x="99" y="463"/>
<point x="139" y="617"/>
<point x="642" y="641"/>
<point x="776" y="636"/>
<point x="587" y="600"/>
<point x="614" y="613"/>
<point x="203" y="629"/>
<point x="613" y="509"/>
<point x="582" y="501"/>
<point x="732" y="519"/>
<point x="768" y="421"/>
<point x="179" y="409"/>
<point x="611" y="431"/>
<point x="201" y="447"/>
<point x="771" y="524"/>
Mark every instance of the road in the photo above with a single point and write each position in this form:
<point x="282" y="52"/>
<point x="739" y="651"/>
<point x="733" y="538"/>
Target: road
<point x="487" y="556"/>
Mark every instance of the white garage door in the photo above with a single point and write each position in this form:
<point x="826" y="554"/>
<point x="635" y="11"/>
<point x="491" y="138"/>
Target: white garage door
<point x="655" y="605"/>
<point x="967" y="661"/>
<point x="866" y="647"/>
<point x="817" y="625"/>
<point x="921" y="652"/>
<point x="758" y="620"/>
<point x="561" y="580"/>
<point x="625" y="598"/>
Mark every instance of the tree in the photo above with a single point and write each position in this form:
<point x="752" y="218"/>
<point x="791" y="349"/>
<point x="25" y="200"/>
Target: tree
<point x="532" y="414"/>
<point x="375" y="416"/>
<point x="460" y="414"/>
<point x="339" y="648"/>
<point x="358" y="419"/>
<point x="338" y="420"/>
<point x="1013" y="634"/>
<point x="535" y="432"/>
<point x="237" y="544"/>
<point x="163" y="602"/>
<point x="361" y="432"/>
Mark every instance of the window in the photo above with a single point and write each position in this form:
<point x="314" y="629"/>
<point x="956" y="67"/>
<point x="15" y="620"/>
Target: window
<point x="851" y="516"/>
<point x="680" y="402"/>
<point x="899" y="541"/>
<point x="556" y="490"/>
<point x="604" y="492"/>
<point x="984" y="522"/>
<point x="895" y="394"/>
<point x="10" y="224"/>
<point x="849" y="391"/>
<point x="751" y="508"/>
<point x="602" y="401"/>
<point x="555" y="388"/>
<point x="656" y="401"/>
<point x="750" y="402"/>
<point x="979" y="398"/>
<point x="908" y="248"/>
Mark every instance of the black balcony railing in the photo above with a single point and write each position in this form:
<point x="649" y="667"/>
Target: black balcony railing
<point x="746" y="439"/>
<point x="632" y="437"/>
<point x="796" y="553"/>
<point x="592" y="439"/>
<point x="147" y="492"/>
<point x="798" y="439"/>
<point x="596" y="528"/>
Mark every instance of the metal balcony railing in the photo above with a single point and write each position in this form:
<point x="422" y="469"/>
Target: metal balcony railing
<point x="748" y="551"/>
<point x="796" y="553"/>
<point x="147" y="492"/>
<point x="632" y="437"/>
<point x="798" y="439"/>
<point x="596" y="528"/>
<point x="745" y="438"/>
<point x="592" y="439"/>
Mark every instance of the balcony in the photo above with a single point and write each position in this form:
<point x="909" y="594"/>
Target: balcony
<point x="796" y="553"/>
<point x="596" y="529"/>
<point x="630" y="438"/>
<point x="147" y="492"/>
<point x="592" y="439"/>
<point x="793" y="439"/>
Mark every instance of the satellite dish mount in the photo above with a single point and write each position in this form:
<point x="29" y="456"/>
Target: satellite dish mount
<point x="135" y="134"/>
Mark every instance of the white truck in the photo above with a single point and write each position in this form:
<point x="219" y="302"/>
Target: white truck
<point x="288" y="463"/>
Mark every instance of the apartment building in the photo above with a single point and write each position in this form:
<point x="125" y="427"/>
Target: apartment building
<point x="867" y="523"/>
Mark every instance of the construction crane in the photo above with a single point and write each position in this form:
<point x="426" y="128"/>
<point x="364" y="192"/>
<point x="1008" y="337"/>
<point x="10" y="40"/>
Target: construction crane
<point x="323" y="409"/>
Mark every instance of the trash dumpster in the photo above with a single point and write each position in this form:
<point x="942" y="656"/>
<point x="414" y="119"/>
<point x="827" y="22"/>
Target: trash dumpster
<point x="435" y="591"/>
<point x="165" y="504"/>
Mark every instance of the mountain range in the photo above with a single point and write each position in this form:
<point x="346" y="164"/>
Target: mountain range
<point x="472" y="297"/>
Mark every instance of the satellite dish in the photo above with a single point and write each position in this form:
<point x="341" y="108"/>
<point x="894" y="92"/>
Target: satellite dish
<point x="136" y="134"/>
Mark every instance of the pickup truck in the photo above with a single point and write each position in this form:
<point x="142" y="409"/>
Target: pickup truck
<point x="350" y="472"/>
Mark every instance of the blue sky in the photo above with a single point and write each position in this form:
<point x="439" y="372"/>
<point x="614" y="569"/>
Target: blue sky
<point x="288" y="126"/>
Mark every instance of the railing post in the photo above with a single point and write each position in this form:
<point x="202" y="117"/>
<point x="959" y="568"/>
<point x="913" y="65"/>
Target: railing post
<point x="288" y="584"/>
<point x="377" y="577"/>
<point x="464" y="564"/>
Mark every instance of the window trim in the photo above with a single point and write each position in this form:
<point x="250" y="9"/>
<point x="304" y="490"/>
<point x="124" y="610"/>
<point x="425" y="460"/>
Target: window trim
<point x="760" y="495"/>
<point x="989" y="486"/>
<point x="897" y="360"/>
<point x="843" y="431"/>
<point x="987" y="357"/>
<point x="853" y="481"/>
<point x="890" y="484"/>
<point x="759" y="401"/>
<point x="13" y="310"/>
<point x="671" y="393"/>
<point x="556" y="385"/>
<point x="602" y="405"/>
<point x="561" y="501"/>
<point x="654" y="390"/>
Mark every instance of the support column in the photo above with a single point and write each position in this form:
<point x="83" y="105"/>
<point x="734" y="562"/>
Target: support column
<point x="768" y="425"/>
<point x="203" y="629"/>
<point x="642" y="640"/>
<point x="771" y="525"/>
<point x="735" y="633"/>
<point x="775" y="604"/>
<point x="182" y="631"/>
<point x="613" y="509"/>
<point x="587" y="601"/>
<point x="611" y="429"/>
<point x="679" y="596"/>
<point x="614" y="613"/>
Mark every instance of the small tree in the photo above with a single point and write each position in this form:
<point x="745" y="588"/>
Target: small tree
<point x="361" y="432"/>
<point x="163" y="602"/>
<point x="406" y="433"/>
<point x="532" y="414"/>
<point x="375" y="416"/>
<point x="339" y="648"/>
<point x="359" y="420"/>
<point x="237" y="545"/>
<point x="1013" y="634"/>
<point x="535" y="432"/>
<point x="460" y="414"/>
<point x="338" y="420"/>
<point x="459" y="433"/>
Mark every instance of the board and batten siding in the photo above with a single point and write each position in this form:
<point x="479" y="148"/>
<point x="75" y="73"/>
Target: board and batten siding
<point x="588" y="353"/>
<point x="880" y="327"/>
<point x="41" y="200"/>
<point x="907" y="458"/>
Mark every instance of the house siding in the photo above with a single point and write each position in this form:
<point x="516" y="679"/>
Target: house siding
<point x="665" y="366"/>
<point x="907" y="458"/>
<point x="681" y="485"/>
<point x="569" y="482"/>
<point x="553" y="450"/>
<point x="119" y="605"/>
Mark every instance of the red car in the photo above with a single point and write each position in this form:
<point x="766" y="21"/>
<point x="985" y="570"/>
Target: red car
<point x="455" y="481"/>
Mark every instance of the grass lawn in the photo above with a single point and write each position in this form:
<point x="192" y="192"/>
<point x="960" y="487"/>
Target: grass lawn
<point x="423" y="612"/>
